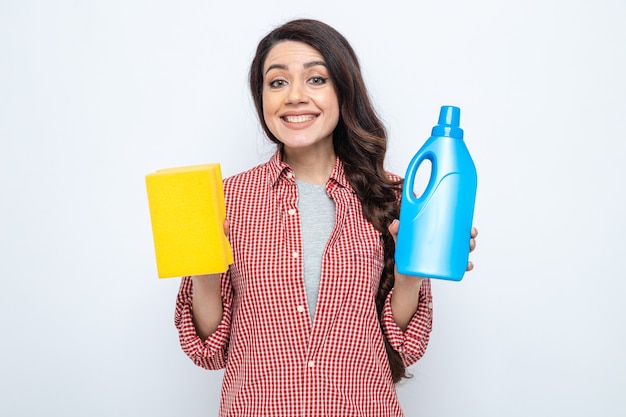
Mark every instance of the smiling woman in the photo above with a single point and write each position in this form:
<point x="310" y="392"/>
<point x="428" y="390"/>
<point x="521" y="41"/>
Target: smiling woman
<point x="311" y="318"/>
<point x="300" y="106"/>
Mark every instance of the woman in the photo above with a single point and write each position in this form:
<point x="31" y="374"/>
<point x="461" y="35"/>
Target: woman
<point x="311" y="319"/>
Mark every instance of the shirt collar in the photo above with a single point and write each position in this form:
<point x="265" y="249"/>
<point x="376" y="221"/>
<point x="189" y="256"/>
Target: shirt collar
<point x="280" y="170"/>
<point x="277" y="168"/>
<point x="339" y="175"/>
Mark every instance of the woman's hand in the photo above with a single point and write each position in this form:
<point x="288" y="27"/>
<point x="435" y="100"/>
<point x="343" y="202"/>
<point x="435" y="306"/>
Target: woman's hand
<point x="206" y="300"/>
<point x="472" y="244"/>
<point x="395" y="225"/>
<point x="406" y="288"/>
<point x="405" y="298"/>
<point x="393" y="229"/>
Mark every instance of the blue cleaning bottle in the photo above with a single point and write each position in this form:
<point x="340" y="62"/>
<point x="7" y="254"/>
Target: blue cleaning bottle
<point x="433" y="238"/>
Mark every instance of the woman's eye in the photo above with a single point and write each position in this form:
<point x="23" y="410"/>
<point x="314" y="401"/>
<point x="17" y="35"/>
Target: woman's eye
<point x="318" y="80"/>
<point x="277" y="83"/>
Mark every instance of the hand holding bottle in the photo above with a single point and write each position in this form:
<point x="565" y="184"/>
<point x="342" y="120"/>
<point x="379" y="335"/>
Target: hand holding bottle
<point x="395" y="225"/>
<point x="432" y="239"/>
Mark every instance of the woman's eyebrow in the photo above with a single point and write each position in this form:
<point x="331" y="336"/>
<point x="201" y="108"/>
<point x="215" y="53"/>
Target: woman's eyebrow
<point x="276" y="66"/>
<point x="285" y="67"/>
<point x="314" y="63"/>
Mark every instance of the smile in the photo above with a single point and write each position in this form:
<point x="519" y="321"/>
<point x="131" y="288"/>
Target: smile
<point x="299" y="119"/>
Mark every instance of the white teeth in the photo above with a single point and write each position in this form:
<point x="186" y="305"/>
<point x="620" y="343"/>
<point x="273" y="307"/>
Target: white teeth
<point x="299" y="119"/>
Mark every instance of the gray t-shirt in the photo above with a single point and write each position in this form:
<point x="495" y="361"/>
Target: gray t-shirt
<point x="317" y="217"/>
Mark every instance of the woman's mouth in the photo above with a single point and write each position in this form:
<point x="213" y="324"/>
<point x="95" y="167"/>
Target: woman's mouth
<point x="299" y="118"/>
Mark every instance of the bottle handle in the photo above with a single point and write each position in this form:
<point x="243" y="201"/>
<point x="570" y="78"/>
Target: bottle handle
<point x="409" y="183"/>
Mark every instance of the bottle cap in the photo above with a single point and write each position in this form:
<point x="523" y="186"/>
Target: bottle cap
<point x="449" y="118"/>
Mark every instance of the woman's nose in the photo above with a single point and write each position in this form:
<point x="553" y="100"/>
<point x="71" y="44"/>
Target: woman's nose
<point x="296" y="94"/>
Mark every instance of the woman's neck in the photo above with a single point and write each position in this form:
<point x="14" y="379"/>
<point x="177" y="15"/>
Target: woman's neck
<point x="311" y="166"/>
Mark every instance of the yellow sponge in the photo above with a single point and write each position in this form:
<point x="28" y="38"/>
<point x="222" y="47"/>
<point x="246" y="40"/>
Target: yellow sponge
<point x="187" y="213"/>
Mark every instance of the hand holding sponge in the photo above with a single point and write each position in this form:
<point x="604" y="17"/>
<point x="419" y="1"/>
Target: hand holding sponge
<point x="187" y="213"/>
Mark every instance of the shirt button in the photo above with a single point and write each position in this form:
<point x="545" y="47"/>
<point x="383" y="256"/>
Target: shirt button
<point x="430" y="306"/>
<point x="291" y="212"/>
<point x="311" y="364"/>
<point x="289" y="175"/>
<point x="295" y="254"/>
<point x="300" y="309"/>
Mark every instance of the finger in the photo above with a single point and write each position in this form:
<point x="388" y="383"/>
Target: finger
<point x="393" y="229"/>
<point x="472" y="244"/>
<point x="474" y="232"/>
<point x="470" y="266"/>
<point x="226" y="228"/>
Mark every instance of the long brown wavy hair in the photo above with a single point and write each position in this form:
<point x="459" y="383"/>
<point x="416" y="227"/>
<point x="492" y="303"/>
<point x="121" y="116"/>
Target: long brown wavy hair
<point x="360" y="139"/>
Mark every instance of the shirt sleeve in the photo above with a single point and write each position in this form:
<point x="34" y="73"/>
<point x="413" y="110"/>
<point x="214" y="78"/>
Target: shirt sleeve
<point x="412" y="343"/>
<point x="212" y="353"/>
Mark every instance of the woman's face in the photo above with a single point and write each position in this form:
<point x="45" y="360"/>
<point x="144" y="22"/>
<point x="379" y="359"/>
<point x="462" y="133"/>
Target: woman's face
<point x="300" y="105"/>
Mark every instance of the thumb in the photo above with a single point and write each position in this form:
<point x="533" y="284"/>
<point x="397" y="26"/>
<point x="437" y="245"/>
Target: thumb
<point x="393" y="229"/>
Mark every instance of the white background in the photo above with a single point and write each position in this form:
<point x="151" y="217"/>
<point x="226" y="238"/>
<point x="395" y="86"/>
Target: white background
<point x="94" y="95"/>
